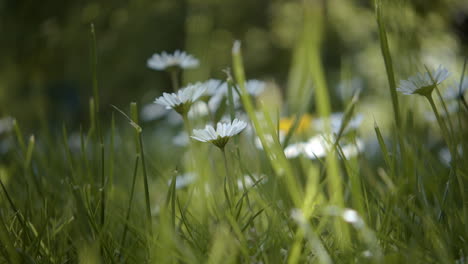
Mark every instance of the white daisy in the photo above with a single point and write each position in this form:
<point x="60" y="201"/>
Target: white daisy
<point x="318" y="147"/>
<point x="222" y="134"/>
<point x="6" y="124"/>
<point x="253" y="87"/>
<point x="423" y="83"/>
<point x="456" y="92"/>
<point x="184" y="180"/>
<point x="178" y="59"/>
<point x="152" y="112"/>
<point x="336" y="121"/>
<point x="251" y="180"/>
<point x="212" y="86"/>
<point x="183" y="99"/>
<point x="181" y="139"/>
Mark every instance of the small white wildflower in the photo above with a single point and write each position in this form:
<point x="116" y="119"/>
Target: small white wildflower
<point x="423" y="83"/>
<point x="318" y="147"/>
<point x="456" y="92"/>
<point x="350" y="216"/>
<point x="347" y="88"/>
<point x="446" y="157"/>
<point x="298" y="216"/>
<point x="250" y="180"/>
<point x="336" y="121"/>
<point x="294" y="150"/>
<point x="452" y="108"/>
<point x="181" y="139"/>
<point x="367" y="254"/>
<point x="269" y="139"/>
<point x="152" y="112"/>
<point x="222" y="134"/>
<point x="6" y="124"/>
<point x="183" y="99"/>
<point x="212" y="86"/>
<point x="183" y="180"/>
<point x="178" y="59"/>
<point x="198" y="109"/>
<point x="255" y="87"/>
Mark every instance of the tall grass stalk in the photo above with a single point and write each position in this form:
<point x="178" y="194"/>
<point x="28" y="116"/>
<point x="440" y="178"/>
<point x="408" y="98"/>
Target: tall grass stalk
<point x="274" y="151"/>
<point x="94" y="67"/>
<point x="141" y="153"/>
<point x="313" y="28"/>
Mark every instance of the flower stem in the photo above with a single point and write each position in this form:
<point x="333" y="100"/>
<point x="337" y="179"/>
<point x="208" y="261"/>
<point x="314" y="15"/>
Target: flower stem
<point x="442" y="125"/>
<point x="463" y="100"/>
<point x="174" y="79"/>
<point x="453" y="163"/>
<point x="228" y="177"/>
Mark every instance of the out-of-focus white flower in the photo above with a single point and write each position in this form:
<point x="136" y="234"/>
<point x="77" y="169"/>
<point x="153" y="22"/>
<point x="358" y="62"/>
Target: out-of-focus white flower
<point x="178" y="59"/>
<point x="249" y="182"/>
<point x="452" y="108"/>
<point x="152" y="112"/>
<point x="74" y="142"/>
<point x="181" y="139"/>
<point x="6" y="124"/>
<point x="183" y="99"/>
<point x="336" y="121"/>
<point x="294" y="150"/>
<point x="446" y="157"/>
<point x="198" y="109"/>
<point x="269" y="139"/>
<point x="423" y="83"/>
<point x="318" y="147"/>
<point x="348" y="88"/>
<point x="456" y="92"/>
<point x="213" y="86"/>
<point x="184" y="180"/>
<point x="348" y="215"/>
<point x="222" y="134"/>
<point x="253" y="87"/>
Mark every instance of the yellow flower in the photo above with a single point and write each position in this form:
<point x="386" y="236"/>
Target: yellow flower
<point x="304" y="124"/>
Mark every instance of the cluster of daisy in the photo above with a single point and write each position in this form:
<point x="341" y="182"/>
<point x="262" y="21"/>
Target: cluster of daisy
<point x="212" y="92"/>
<point x="205" y="98"/>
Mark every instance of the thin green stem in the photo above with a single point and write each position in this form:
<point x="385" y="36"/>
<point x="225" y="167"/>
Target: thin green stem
<point x="229" y="178"/>
<point x="140" y="151"/>
<point x="94" y="65"/>
<point x="129" y="208"/>
<point x="442" y="125"/>
<point x="388" y="63"/>
<point x="145" y="177"/>
<point x="174" y="79"/>
<point x="187" y="125"/>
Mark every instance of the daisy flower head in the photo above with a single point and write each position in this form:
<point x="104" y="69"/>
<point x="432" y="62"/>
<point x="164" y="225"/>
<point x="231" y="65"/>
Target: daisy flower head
<point x="456" y="92"/>
<point x="423" y="83"/>
<point x="165" y="61"/>
<point x="183" y="99"/>
<point x="212" y="86"/>
<point x="255" y="87"/>
<point x="222" y="134"/>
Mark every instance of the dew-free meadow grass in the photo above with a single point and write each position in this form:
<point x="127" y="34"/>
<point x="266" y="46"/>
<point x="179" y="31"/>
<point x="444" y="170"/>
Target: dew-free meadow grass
<point x="274" y="189"/>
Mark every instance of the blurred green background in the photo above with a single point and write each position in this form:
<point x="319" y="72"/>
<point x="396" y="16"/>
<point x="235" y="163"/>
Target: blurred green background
<point x="45" y="76"/>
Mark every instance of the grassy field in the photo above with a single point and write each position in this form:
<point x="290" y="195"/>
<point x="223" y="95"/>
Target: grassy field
<point x="280" y="185"/>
